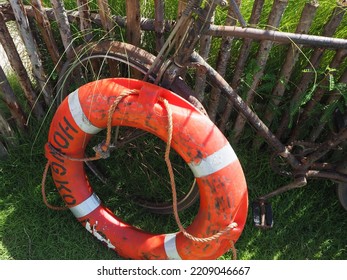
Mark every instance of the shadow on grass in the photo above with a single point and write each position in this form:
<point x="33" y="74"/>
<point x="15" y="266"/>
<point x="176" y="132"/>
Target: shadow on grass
<point x="307" y="226"/>
<point x="309" y="223"/>
<point x="28" y="229"/>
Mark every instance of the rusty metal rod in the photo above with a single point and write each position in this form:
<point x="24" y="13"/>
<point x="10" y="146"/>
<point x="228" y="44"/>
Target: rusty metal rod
<point x="297" y="183"/>
<point x="235" y="7"/>
<point x="251" y="117"/>
<point x="334" y="141"/>
<point x="327" y="175"/>
<point x="277" y="36"/>
<point x="214" y="30"/>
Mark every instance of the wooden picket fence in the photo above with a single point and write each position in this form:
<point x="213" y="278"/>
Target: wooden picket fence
<point x="286" y="106"/>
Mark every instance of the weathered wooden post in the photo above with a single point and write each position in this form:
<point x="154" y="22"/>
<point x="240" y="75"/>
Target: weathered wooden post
<point x="32" y="49"/>
<point x="223" y="59"/>
<point x="105" y="15"/>
<point x="46" y="31"/>
<point x="309" y="76"/>
<point x="7" y="95"/>
<point x="18" y="67"/>
<point x="133" y="29"/>
<point x="204" y="50"/>
<point x="241" y="62"/>
<point x="292" y="57"/>
<point x="261" y="60"/>
<point x="64" y="27"/>
<point x="334" y="97"/>
<point x="85" y="23"/>
<point x="159" y="25"/>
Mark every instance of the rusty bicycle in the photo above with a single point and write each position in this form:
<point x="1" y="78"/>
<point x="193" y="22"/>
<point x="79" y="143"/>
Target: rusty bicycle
<point x="299" y="160"/>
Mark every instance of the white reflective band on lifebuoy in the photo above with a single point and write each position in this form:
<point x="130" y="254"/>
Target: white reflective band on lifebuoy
<point x="214" y="162"/>
<point x="86" y="207"/>
<point x="170" y="247"/>
<point x="79" y="116"/>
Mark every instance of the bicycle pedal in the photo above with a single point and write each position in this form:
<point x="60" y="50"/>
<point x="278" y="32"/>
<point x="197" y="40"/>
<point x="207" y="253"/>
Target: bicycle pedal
<point x="262" y="214"/>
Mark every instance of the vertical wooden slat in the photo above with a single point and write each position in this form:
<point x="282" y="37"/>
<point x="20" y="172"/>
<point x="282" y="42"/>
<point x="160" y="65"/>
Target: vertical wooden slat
<point x="6" y="131"/>
<point x="108" y="25"/>
<point x="10" y="99"/>
<point x="293" y="54"/>
<point x="105" y="15"/>
<point x="7" y="135"/>
<point x="85" y="23"/>
<point x="309" y="76"/>
<point x="204" y="50"/>
<point x="32" y="49"/>
<point x="262" y="57"/>
<point x="159" y="26"/>
<point x="182" y="4"/>
<point x="333" y="98"/>
<point x="338" y="58"/>
<point x="223" y="58"/>
<point x="18" y="67"/>
<point x="64" y="27"/>
<point x="241" y="62"/>
<point x="247" y="43"/>
<point x="46" y="31"/>
<point x="133" y="29"/>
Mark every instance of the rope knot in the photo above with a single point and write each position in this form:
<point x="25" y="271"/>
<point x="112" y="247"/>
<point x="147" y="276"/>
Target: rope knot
<point x="102" y="150"/>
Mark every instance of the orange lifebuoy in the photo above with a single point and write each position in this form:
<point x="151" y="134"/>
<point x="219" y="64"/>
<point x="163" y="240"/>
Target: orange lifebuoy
<point x="220" y="179"/>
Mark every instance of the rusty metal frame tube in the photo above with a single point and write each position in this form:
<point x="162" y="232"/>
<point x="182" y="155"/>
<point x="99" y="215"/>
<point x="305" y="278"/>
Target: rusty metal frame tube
<point x="333" y="175"/>
<point x="277" y="36"/>
<point x="297" y="183"/>
<point x="242" y="107"/>
<point x="217" y="30"/>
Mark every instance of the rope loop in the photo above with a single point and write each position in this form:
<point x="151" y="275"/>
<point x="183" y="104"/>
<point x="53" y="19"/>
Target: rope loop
<point x="43" y="191"/>
<point x="101" y="150"/>
<point x="231" y="226"/>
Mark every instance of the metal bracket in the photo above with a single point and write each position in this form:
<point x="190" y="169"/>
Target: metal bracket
<point x="222" y="3"/>
<point x="100" y="149"/>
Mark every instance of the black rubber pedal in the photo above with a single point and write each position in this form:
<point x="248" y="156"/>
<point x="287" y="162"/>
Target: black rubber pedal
<point x="262" y="214"/>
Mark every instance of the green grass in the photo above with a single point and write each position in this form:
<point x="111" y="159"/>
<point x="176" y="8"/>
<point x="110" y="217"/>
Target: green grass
<point x="309" y="222"/>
